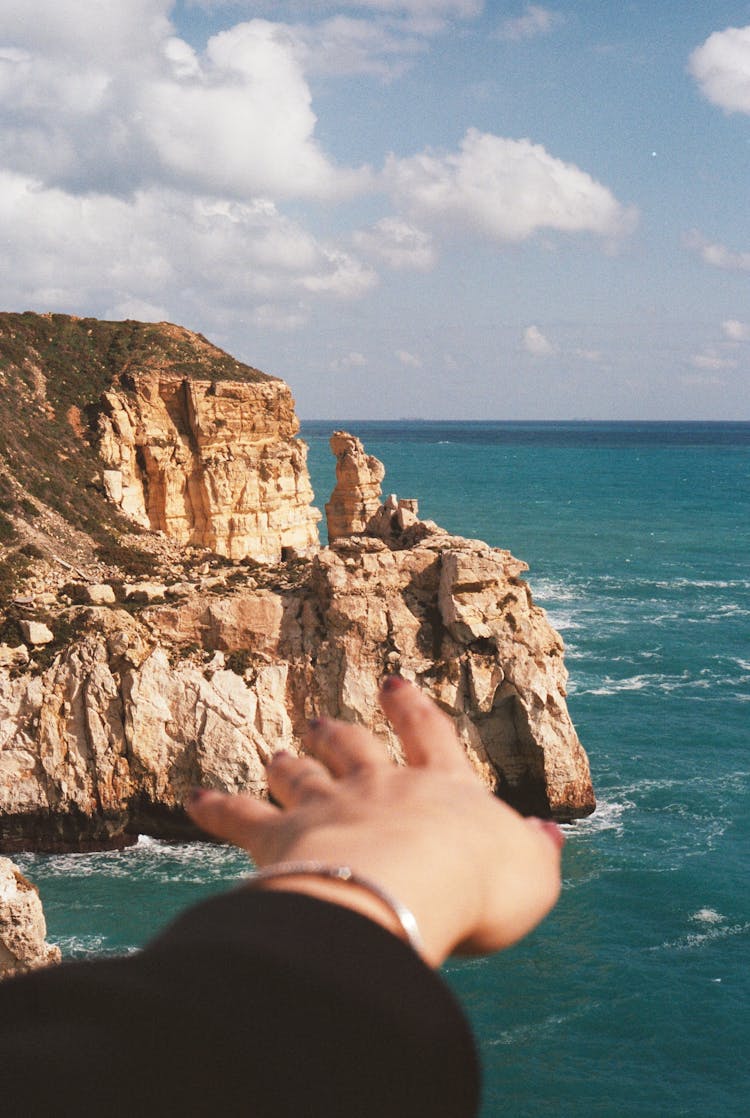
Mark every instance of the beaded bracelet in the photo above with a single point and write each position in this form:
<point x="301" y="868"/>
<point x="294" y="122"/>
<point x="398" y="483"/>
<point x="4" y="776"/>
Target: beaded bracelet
<point x="404" y="915"/>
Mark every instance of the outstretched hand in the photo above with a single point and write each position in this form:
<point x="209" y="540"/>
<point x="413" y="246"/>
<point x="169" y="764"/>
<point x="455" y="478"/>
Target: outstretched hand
<point x="476" y="874"/>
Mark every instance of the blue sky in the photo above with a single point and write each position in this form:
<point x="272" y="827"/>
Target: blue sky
<point x="437" y="208"/>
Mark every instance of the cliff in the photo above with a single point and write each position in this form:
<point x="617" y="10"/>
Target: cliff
<point x="109" y="428"/>
<point x="134" y="668"/>
<point x="211" y="464"/>
<point x="201" y="687"/>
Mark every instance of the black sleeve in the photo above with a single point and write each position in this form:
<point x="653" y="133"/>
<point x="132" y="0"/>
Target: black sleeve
<point x="261" y="1004"/>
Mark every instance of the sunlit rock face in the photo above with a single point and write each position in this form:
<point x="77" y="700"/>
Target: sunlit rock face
<point x="201" y="690"/>
<point x="356" y="497"/>
<point x="211" y="463"/>
<point x="23" y="929"/>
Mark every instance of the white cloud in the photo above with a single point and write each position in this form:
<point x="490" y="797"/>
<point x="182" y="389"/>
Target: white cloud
<point x="236" y="119"/>
<point x="269" y="316"/>
<point x="245" y="124"/>
<point x="535" y="343"/>
<point x="420" y="9"/>
<point x="712" y="361"/>
<point x="137" y="309"/>
<point x="107" y="30"/>
<point x="409" y="360"/>
<point x="534" y="21"/>
<point x="398" y="244"/>
<point x="696" y="380"/>
<point x="736" y="331"/>
<point x="718" y="255"/>
<point x="504" y="189"/>
<point x="343" y="45"/>
<point x="166" y="252"/>
<point x="721" y="66"/>
<point x="349" y="361"/>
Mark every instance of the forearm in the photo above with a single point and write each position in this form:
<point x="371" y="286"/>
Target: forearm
<point x="299" y="1005"/>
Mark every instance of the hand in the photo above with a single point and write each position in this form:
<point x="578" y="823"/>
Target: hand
<point x="476" y="874"/>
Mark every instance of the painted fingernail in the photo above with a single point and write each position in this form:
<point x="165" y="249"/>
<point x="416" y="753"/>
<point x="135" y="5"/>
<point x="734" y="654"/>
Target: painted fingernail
<point x="279" y="755"/>
<point x="392" y="682"/>
<point x="315" y="724"/>
<point x="550" y="829"/>
<point x="195" y="795"/>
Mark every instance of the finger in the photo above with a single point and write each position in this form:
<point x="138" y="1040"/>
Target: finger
<point x="427" y="734"/>
<point x="343" y="747"/>
<point x="243" y="820"/>
<point x="294" y="780"/>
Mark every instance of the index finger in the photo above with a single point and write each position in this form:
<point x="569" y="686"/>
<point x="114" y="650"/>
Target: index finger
<point x="427" y="734"/>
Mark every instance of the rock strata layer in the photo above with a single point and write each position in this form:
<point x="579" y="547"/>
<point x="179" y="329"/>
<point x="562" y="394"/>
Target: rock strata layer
<point x="213" y="464"/>
<point x="23" y="929"/>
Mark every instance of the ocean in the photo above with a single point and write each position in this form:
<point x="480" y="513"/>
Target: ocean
<point x="633" y="997"/>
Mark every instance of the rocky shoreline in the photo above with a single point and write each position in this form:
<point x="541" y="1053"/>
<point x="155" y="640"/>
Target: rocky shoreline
<point x="130" y="674"/>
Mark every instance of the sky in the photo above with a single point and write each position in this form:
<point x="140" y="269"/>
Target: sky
<point x="447" y="209"/>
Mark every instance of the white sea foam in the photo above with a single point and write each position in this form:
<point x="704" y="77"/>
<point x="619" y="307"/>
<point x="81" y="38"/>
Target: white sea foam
<point x="82" y="947"/>
<point x="562" y="620"/>
<point x="701" y="939"/>
<point x="707" y="916"/>
<point x="524" y="1033"/>
<point x="658" y="682"/>
<point x="148" y="859"/>
<point x="608" y="816"/>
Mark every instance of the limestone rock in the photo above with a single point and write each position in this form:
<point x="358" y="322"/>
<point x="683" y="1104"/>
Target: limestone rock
<point x="36" y="632"/>
<point x="23" y="929"/>
<point x="357" y="494"/>
<point x="99" y="594"/>
<point x="211" y="463"/>
<point x="13" y="657"/>
<point x="106" y="742"/>
<point x="145" y="592"/>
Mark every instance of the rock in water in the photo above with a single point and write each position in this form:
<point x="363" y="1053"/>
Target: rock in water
<point x="23" y="929"/>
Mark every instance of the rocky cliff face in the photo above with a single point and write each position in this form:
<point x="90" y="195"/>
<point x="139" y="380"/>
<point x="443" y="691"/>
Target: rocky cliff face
<point x="119" y="694"/>
<point x="23" y="929"/>
<point x="213" y="464"/>
<point x="200" y="689"/>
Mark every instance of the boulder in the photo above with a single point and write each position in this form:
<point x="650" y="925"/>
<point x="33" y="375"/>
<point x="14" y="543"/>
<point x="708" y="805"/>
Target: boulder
<point x="23" y="929"/>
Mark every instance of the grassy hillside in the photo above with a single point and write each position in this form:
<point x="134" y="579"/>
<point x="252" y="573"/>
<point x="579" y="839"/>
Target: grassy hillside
<point x="53" y="369"/>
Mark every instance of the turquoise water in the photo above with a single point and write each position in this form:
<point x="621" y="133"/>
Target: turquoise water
<point x="633" y="997"/>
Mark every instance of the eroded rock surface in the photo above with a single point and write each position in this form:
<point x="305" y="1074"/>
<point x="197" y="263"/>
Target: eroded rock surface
<point x="23" y="929"/>
<point x="211" y="463"/>
<point x="357" y="496"/>
<point x="138" y="709"/>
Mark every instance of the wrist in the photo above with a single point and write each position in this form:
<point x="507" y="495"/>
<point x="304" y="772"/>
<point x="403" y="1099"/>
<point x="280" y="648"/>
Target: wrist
<point x="341" y="885"/>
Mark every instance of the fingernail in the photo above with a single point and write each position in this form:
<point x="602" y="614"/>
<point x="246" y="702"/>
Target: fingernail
<point x="550" y="829"/>
<point x="195" y="795"/>
<point x="279" y="755"/>
<point x="392" y="682"/>
<point x="315" y="724"/>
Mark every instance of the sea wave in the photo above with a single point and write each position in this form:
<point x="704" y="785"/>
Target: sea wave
<point x="608" y="816"/>
<point x="661" y="682"/>
<point x="707" y="916"/>
<point x="694" y="940"/>
<point x="148" y="859"/>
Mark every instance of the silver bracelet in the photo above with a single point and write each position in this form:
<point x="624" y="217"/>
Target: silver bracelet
<point x="404" y="915"/>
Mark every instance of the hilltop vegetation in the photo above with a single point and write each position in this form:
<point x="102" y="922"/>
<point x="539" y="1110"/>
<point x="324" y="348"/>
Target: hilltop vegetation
<point x="53" y="370"/>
